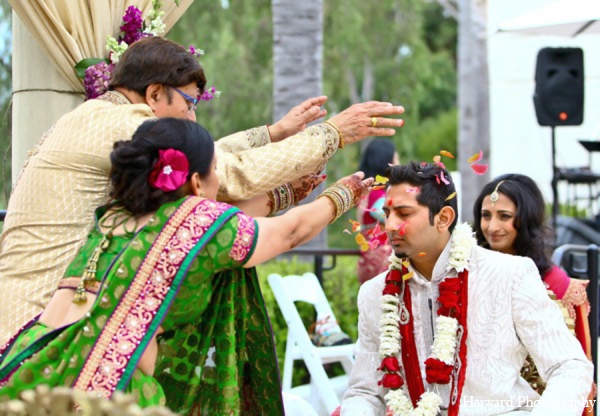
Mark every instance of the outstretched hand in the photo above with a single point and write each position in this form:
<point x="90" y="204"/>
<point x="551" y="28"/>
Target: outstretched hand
<point x="298" y="118"/>
<point x="357" y="185"/>
<point x="368" y="119"/>
<point x="305" y="185"/>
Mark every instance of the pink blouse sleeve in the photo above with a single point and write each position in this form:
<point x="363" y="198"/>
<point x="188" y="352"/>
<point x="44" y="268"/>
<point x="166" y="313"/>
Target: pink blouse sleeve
<point x="557" y="280"/>
<point x="243" y="244"/>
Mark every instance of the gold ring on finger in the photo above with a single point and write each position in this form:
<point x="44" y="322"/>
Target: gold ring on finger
<point x="373" y="121"/>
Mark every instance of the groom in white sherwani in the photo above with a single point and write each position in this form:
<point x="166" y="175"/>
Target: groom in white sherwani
<point x="447" y="329"/>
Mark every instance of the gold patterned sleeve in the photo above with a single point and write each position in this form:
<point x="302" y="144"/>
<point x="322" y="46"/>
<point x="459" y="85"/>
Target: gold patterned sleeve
<point x="244" y="140"/>
<point x="248" y="173"/>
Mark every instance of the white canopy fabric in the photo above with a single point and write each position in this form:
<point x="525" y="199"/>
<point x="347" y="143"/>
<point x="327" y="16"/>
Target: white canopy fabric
<point x="561" y="18"/>
<point x="71" y="30"/>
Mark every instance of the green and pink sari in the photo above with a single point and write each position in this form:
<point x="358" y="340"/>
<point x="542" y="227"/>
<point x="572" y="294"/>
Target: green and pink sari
<point x="182" y="272"/>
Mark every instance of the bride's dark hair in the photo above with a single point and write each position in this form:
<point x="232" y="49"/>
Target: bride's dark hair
<point x="529" y="221"/>
<point x="133" y="160"/>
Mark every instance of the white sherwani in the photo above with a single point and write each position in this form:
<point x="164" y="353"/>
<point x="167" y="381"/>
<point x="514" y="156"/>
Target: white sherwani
<point x="509" y="316"/>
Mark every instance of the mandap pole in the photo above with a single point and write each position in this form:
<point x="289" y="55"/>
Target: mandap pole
<point x="555" y="176"/>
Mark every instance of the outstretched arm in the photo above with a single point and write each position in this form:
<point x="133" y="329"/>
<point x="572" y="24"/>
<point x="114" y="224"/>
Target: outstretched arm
<point x="293" y="122"/>
<point x="271" y="202"/>
<point x="248" y="173"/>
<point x="298" y="225"/>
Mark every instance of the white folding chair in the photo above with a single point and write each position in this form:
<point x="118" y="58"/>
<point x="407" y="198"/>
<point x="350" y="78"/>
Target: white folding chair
<point x="306" y="288"/>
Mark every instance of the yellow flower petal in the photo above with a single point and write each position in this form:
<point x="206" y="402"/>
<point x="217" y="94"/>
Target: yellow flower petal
<point x="381" y="179"/>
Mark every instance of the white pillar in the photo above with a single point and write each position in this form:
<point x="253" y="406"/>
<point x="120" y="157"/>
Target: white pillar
<point x="40" y="94"/>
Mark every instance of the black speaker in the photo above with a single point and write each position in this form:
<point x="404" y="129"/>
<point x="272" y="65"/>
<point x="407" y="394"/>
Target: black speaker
<point x="558" y="97"/>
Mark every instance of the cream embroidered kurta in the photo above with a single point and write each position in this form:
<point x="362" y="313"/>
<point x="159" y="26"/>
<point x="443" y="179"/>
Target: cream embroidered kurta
<point x="65" y="178"/>
<point x="509" y="315"/>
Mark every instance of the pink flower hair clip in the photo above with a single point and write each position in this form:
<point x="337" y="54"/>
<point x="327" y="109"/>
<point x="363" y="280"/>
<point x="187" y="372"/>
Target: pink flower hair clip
<point x="170" y="170"/>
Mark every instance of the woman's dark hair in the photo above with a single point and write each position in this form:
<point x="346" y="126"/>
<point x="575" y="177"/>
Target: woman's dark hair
<point x="377" y="157"/>
<point x="529" y="221"/>
<point x="133" y="160"/>
<point x="434" y="192"/>
<point x="154" y="60"/>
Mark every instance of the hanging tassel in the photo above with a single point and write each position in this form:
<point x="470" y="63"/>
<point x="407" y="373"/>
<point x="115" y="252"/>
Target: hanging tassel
<point x="90" y="270"/>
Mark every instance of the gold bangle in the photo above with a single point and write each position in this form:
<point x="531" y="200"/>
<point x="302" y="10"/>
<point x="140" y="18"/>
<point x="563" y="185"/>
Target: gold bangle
<point x="281" y="198"/>
<point x="341" y="196"/>
<point x="341" y="143"/>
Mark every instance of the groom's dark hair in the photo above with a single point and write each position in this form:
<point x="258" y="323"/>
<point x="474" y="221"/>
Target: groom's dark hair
<point x="430" y="179"/>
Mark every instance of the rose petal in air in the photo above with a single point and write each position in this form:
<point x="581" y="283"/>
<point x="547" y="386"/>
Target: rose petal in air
<point x="355" y="225"/>
<point x="479" y="169"/>
<point x="402" y="228"/>
<point x="381" y="179"/>
<point x="476" y="157"/>
<point x="443" y="179"/>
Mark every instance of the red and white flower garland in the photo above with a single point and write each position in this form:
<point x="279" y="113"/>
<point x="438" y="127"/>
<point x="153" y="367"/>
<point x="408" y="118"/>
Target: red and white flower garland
<point x="444" y="363"/>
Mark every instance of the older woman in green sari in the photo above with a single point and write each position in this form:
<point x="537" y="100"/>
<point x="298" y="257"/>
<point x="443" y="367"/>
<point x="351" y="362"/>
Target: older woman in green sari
<point x="162" y="300"/>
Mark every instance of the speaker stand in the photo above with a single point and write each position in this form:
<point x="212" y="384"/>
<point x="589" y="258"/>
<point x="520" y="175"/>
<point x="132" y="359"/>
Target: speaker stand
<point x="555" y="177"/>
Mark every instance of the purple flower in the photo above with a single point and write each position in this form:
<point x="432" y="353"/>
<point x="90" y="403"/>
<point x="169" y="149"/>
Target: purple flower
<point x="208" y="94"/>
<point x="132" y="25"/>
<point x="96" y="79"/>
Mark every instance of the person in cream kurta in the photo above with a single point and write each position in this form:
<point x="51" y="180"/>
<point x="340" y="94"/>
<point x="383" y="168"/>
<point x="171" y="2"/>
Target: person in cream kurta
<point x="65" y="177"/>
<point x="509" y="316"/>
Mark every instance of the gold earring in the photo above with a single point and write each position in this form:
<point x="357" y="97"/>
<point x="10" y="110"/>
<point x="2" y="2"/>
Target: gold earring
<point x="494" y="196"/>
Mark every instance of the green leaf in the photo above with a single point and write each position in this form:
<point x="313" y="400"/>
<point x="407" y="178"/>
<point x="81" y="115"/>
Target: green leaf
<point x="84" y="64"/>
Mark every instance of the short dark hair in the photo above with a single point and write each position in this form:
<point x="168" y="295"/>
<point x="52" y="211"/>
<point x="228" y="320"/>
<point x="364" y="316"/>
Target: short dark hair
<point x="434" y="193"/>
<point x="133" y="160"/>
<point x="529" y="221"/>
<point x="154" y="60"/>
<point x="376" y="158"/>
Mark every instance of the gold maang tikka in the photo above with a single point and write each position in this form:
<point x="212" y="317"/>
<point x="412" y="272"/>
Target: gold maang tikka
<point x="494" y="196"/>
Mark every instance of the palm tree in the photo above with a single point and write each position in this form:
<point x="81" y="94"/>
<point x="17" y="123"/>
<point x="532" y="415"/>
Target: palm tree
<point x="297" y="61"/>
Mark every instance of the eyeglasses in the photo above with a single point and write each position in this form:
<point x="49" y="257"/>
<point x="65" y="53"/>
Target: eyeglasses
<point x="188" y="98"/>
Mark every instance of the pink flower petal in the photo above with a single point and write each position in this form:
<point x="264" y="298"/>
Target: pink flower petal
<point x="401" y="229"/>
<point x="446" y="181"/>
<point x="479" y="169"/>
